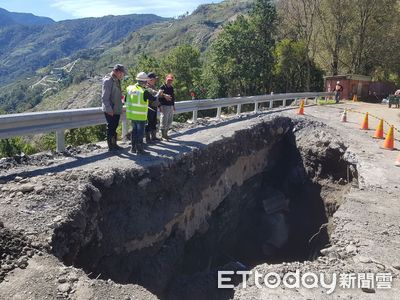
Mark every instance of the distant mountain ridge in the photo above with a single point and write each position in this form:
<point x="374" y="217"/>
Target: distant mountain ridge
<point x="8" y="18"/>
<point x="26" y="48"/>
<point x="67" y="59"/>
<point x="198" y="29"/>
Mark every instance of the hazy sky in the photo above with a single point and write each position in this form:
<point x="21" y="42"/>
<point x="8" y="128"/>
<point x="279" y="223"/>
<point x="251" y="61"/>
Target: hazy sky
<point x="72" y="9"/>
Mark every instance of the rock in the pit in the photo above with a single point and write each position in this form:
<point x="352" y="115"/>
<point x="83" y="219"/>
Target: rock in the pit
<point x="327" y="251"/>
<point x="351" y="248"/>
<point x="26" y="188"/>
<point x="64" y="287"/>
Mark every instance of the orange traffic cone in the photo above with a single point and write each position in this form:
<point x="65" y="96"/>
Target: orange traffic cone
<point x="397" y="162"/>
<point x="379" y="130"/>
<point x="301" y="108"/>
<point x="355" y="98"/>
<point x="389" y="141"/>
<point x="344" y="116"/>
<point x="364" y="124"/>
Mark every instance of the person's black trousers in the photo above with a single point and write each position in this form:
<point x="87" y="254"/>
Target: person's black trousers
<point x="151" y="119"/>
<point x="112" y="124"/>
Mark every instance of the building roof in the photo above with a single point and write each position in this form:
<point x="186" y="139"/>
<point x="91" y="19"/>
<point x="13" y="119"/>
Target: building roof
<point x="350" y="76"/>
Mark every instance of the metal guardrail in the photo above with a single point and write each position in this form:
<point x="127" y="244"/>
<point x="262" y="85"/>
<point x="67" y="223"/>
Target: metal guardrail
<point x="58" y="121"/>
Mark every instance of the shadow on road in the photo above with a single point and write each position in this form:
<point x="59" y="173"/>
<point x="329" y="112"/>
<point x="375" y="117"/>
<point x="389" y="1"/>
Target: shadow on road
<point x="158" y="152"/>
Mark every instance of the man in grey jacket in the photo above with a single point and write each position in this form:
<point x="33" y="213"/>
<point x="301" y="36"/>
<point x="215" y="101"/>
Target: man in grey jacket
<point x="111" y="98"/>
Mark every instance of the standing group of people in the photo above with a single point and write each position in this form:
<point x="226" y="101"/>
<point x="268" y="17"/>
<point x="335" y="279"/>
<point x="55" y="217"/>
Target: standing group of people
<point x="142" y="101"/>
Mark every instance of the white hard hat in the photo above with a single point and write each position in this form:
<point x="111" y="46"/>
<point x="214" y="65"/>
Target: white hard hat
<point x="337" y="82"/>
<point x="142" y="76"/>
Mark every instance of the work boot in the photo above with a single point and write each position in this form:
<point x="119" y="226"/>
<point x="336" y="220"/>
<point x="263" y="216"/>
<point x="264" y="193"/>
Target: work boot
<point x="148" y="139"/>
<point x="110" y="144"/>
<point x="133" y="147"/>
<point x="114" y="142"/>
<point x="140" y="149"/>
<point x="153" y="135"/>
<point x="164" y="135"/>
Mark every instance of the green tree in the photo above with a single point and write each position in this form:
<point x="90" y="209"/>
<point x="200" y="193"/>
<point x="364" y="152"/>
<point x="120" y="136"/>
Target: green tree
<point x="229" y="69"/>
<point x="20" y="97"/>
<point x="240" y="60"/>
<point x="300" y="22"/>
<point x="333" y="19"/>
<point x="85" y="135"/>
<point x="388" y="62"/>
<point x="184" y="62"/>
<point x="7" y="148"/>
<point x="145" y="63"/>
<point x="344" y="36"/>
<point x="291" y="72"/>
<point x="47" y="142"/>
<point x="78" y="78"/>
<point x="15" y="146"/>
<point x="371" y="21"/>
<point x="263" y="18"/>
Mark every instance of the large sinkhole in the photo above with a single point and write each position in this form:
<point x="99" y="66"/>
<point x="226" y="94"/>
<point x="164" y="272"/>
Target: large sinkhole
<point x="257" y="197"/>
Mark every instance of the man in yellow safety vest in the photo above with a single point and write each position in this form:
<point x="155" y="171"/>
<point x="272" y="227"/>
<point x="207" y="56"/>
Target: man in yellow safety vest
<point x="137" y="98"/>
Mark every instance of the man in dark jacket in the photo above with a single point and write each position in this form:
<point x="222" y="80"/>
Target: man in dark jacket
<point x="151" y="127"/>
<point x="167" y="107"/>
<point x="111" y="98"/>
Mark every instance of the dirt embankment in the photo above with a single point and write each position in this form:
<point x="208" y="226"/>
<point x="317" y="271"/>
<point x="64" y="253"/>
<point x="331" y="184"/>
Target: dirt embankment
<point x="213" y="199"/>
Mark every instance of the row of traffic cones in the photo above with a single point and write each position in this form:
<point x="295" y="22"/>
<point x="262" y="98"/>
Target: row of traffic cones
<point x="389" y="140"/>
<point x="388" y="144"/>
<point x="379" y="130"/>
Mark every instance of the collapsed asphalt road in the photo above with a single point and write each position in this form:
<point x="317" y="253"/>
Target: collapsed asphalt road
<point x="192" y="193"/>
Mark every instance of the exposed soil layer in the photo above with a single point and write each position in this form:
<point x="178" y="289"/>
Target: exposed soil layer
<point x="252" y="198"/>
<point x="258" y="192"/>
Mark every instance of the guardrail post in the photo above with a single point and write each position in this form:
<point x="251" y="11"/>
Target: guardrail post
<point x="60" y="140"/>
<point x="255" y="107"/>
<point x="194" y="119"/>
<point x="239" y="109"/>
<point x="124" y="124"/>
<point x="219" y="112"/>
<point x="271" y="104"/>
<point x="284" y="102"/>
